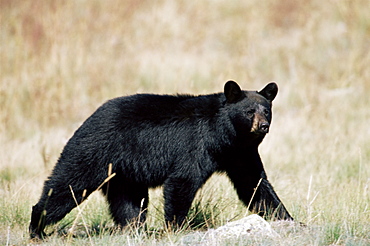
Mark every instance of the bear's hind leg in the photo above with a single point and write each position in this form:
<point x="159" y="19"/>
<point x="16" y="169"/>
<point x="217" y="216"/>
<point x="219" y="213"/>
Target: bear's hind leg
<point x="128" y="202"/>
<point x="51" y="208"/>
<point x="179" y="193"/>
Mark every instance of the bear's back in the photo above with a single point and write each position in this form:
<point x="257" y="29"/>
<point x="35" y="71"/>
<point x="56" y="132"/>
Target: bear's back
<point x="156" y="108"/>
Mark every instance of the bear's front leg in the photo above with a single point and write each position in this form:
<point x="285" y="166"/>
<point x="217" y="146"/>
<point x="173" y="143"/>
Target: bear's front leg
<point x="260" y="197"/>
<point x="268" y="204"/>
<point x="179" y="193"/>
<point x="253" y="188"/>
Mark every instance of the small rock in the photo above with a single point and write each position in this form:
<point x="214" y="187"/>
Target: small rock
<point x="252" y="225"/>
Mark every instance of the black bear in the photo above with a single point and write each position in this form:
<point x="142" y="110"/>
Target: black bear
<point x="174" y="141"/>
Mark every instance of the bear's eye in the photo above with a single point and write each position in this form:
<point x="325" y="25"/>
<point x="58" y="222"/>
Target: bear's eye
<point x="250" y="113"/>
<point x="266" y="112"/>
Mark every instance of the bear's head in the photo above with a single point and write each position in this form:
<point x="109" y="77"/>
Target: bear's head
<point x="250" y="111"/>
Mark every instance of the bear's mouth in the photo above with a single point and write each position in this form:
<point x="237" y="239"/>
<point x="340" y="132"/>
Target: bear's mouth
<point x="259" y="130"/>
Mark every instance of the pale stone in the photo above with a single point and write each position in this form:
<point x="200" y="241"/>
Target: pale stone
<point x="247" y="227"/>
<point x="252" y="224"/>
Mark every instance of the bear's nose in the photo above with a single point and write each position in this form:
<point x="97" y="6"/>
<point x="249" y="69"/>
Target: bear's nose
<point x="264" y="127"/>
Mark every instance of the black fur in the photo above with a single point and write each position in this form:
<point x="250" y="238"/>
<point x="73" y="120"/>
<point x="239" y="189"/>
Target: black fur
<point x="175" y="141"/>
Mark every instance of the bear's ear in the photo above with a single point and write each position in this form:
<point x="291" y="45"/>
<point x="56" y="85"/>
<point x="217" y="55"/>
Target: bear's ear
<point x="270" y="91"/>
<point x="232" y="91"/>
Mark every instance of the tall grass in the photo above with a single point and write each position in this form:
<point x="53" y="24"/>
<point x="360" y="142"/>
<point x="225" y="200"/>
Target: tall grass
<point x="59" y="60"/>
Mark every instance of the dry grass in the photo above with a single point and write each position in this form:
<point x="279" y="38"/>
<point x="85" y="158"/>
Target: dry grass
<point x="59" y="60"/>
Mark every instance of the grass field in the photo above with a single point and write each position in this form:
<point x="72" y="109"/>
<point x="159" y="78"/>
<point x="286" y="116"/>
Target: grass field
<point x="60" y="60"/>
